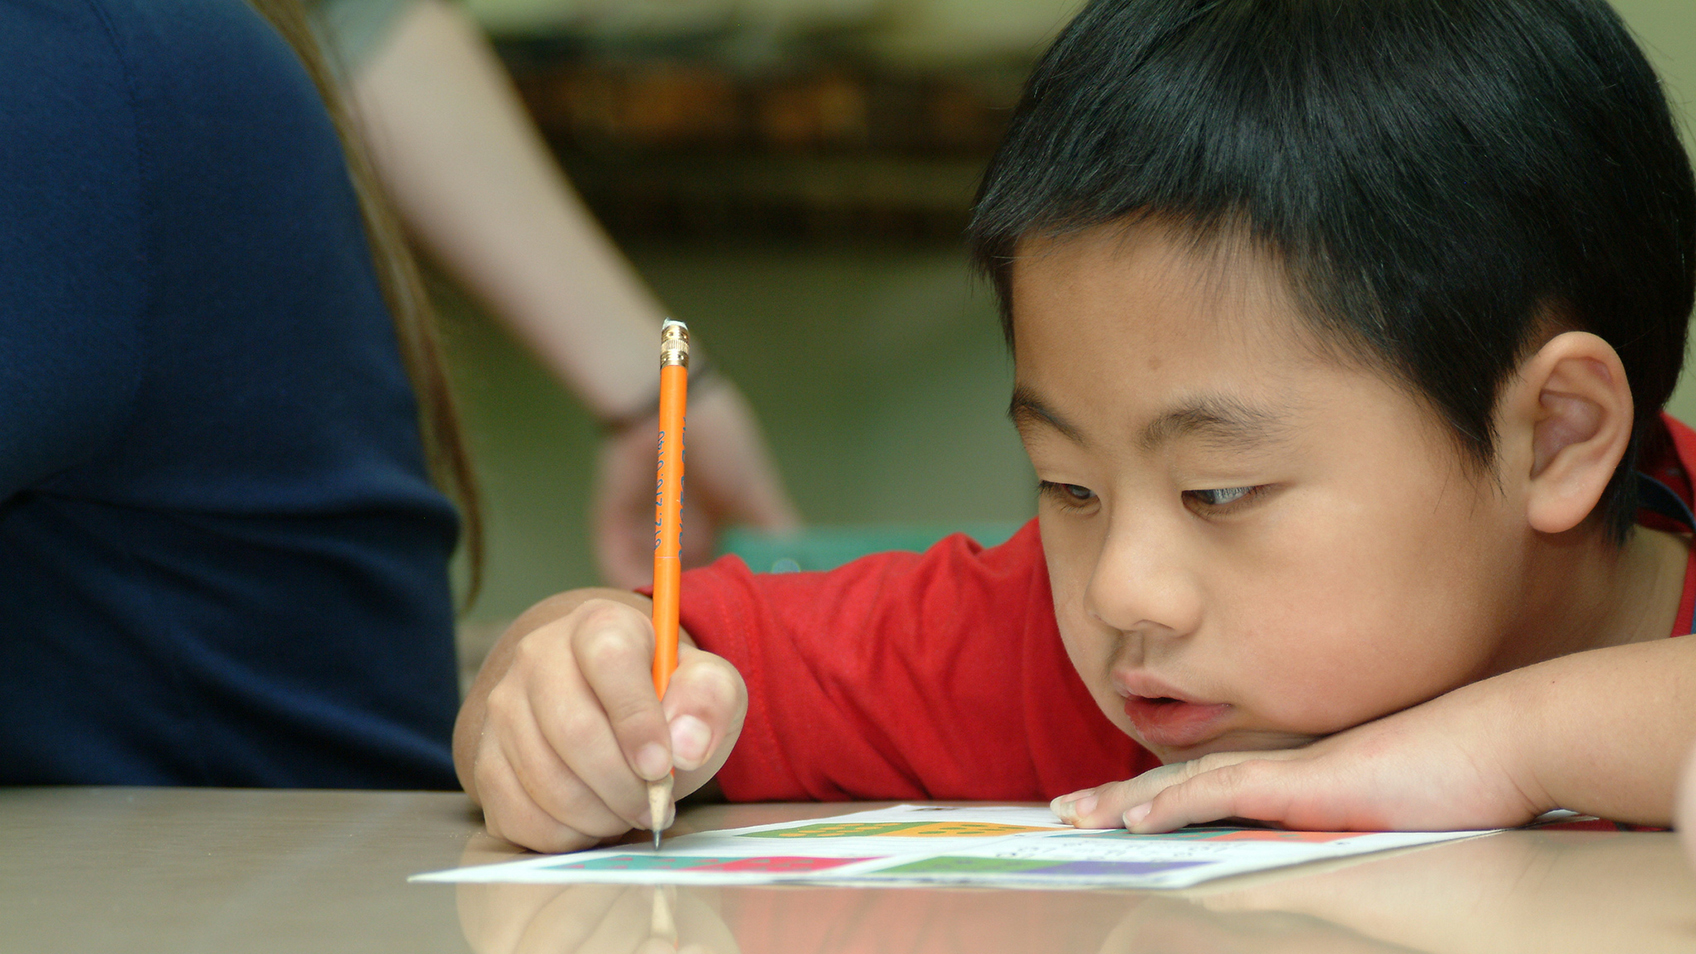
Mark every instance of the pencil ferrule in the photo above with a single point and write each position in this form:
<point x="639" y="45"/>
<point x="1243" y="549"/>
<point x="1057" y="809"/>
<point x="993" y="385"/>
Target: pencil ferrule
<point x="674" y="344"/>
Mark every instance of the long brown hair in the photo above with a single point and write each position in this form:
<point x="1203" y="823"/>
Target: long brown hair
<point x="403" y="290"/>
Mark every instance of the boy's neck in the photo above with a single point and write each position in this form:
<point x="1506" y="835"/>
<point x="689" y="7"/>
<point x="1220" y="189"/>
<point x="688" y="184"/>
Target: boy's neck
<point x="1587" y="594"/>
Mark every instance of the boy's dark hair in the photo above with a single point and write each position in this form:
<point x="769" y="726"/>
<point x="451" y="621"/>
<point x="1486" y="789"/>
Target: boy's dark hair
<point x="1444" y="181"/>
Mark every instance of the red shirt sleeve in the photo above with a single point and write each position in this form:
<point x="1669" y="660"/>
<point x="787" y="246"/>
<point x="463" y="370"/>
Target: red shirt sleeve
<point x="1672" y="468"/>
<point x="938" y="675"/>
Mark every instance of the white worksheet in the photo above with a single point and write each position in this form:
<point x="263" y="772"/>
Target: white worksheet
<point x="1010" y="847"/>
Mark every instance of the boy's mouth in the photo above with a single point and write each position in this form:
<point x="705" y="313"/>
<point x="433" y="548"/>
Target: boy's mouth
<point x="1162" y="714"/>
<point x="1174" y="723"/>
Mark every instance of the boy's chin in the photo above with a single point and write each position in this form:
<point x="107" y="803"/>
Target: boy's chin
<point x="1242" y="740"/>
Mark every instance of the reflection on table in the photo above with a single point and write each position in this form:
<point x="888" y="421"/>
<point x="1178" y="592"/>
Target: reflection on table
<point x="92" y="869"/>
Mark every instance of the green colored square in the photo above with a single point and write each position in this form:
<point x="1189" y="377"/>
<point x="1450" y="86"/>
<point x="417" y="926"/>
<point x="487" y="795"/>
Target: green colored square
<point x="954" y="864"/>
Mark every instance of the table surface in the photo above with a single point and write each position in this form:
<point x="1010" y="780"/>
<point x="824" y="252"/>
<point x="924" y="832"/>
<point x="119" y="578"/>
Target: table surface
<point x="191" y="870"/>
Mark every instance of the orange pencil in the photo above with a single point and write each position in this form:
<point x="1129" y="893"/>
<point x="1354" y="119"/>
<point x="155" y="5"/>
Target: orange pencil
<point x="668" y="531"/>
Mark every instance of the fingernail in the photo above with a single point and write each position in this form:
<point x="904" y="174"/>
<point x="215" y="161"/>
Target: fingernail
<point x="1067" y="803"/>
<point x="652" y="762"/>
<point x="1074" y="806"/>
<point x="689" y="738"/>
<point x="1137" y="814"/>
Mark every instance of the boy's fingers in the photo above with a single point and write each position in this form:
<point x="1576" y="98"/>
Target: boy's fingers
<point x="614" y="647"/>
<point x="704" y="707"/>
<point x="1105" y="805"/>
<point x="574" y="730"/>
<point x="1254" y="789"/>
<point x="558" y="737"/>
<point x="509" y="812"/>
<point x="564" y="792"/>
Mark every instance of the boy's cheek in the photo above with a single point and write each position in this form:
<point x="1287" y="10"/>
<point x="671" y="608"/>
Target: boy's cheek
<point x="1316" y="654"/>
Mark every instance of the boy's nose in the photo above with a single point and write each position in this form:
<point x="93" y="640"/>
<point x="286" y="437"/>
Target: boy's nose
<point x="1142" y="583"/>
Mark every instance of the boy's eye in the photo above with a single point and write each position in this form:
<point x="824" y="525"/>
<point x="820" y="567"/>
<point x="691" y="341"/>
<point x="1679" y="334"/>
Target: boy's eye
<point x="1067" y="495"/>
<point x="1222" y="498"/>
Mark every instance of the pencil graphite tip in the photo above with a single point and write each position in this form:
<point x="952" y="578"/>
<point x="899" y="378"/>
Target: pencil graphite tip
<point x="656" y="839"/>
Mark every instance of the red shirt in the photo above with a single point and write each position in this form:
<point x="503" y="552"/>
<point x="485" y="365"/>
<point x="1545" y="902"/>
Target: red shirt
<point x="938" y="675"/>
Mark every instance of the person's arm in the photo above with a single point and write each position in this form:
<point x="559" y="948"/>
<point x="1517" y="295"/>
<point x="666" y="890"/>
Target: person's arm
<point x="1599" y="732"/>
<point x="476" y="185"/>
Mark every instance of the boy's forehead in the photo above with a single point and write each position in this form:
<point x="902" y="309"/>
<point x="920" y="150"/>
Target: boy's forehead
<point x="1151" y="280"/>
<point x="1171" y="341"/>
<point x="1177" y="258"/>
<point x="1144" y="327"/>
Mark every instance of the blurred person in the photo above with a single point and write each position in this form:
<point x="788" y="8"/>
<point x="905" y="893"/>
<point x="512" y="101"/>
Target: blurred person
<point x="477" y="187"/>
<point x="228" y="457"/>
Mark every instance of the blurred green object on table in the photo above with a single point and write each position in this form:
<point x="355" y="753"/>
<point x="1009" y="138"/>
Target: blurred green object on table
<point x="826" y="548"/>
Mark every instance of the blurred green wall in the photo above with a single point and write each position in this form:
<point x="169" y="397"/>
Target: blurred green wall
<point x="1667" y="30"/>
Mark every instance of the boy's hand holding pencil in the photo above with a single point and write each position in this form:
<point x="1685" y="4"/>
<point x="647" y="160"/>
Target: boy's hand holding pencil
<point x="594" y="706"/>
<point x="560" y="753"/>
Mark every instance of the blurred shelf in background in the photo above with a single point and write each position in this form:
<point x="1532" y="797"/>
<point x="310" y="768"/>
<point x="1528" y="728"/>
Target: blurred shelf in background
<point x="687" y="146"/>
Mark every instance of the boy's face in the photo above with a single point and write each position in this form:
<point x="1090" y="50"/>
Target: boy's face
<point x="1251" y="545"/>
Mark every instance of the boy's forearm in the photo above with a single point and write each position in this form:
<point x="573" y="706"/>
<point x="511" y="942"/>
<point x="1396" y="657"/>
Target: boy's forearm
<point x="1602" y="731"/>
<point x="468" y="727"/>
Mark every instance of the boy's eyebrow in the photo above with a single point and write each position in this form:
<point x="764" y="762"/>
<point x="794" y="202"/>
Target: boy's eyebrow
<point x="1026" y="409"/>
<point x="1216" y="420"/>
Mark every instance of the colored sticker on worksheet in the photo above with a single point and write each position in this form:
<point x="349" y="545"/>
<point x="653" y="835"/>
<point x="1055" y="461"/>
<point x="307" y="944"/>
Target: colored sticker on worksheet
<point x="772" y="865"/>
<point x="898" y="830"/>
<point x="951" y="865"/>
<point x="1229" y="834"/>
<point x="781" y="865"/>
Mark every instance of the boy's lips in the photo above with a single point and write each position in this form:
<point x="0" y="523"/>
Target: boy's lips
<point x="1172" y="723"/>
<point x="1164" y="717"/>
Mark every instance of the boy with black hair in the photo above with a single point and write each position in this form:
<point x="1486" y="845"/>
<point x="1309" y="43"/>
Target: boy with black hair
<point x="1341" y="330"/>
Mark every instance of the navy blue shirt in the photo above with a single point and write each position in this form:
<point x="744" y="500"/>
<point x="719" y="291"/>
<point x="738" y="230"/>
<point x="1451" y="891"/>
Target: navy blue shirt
<point x="221" y="559"/>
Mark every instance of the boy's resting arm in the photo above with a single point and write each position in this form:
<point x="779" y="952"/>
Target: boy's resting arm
<point x="1598" y="732"/>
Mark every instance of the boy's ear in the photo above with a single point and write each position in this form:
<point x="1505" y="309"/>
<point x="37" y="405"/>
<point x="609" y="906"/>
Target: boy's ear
<point x="1568" y="415"/>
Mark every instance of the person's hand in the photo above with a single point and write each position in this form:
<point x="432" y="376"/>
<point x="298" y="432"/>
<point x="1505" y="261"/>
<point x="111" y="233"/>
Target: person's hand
<point x="562" y="732"/>
<point x="728" y="478"/>
<point x="1449" y="764"/>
